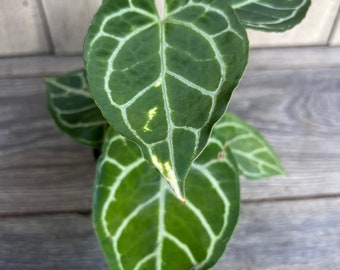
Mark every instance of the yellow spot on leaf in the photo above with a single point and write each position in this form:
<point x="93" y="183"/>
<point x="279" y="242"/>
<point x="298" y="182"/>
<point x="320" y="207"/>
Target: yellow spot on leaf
<point x="168" y="173"/>
<point x="158" y="84"/>
<point x="151" y="115"/>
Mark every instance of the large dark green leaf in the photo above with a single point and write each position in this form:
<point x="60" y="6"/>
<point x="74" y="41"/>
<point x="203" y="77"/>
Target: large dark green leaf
<point x="73" y="108"/>
<point x="164" y="82"/>
<point x="270" y="15"/>
<point x="142" y="225"/>
<point x="254" y="156"/>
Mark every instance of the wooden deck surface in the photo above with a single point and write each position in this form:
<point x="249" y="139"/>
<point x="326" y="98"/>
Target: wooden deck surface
<point x="287" y="223"/>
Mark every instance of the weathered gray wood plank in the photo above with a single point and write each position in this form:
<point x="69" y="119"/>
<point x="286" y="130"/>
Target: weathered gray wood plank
<point x="68" y="22"/>
<point x="298" y="112"/>
<point x="294" y="58"/>
<point x="40" y="168"/>
<point x="295" y="235"/>
<point x="36" y="66"/>
<point x="21" y="30"/>
<point x="51" y="242"/>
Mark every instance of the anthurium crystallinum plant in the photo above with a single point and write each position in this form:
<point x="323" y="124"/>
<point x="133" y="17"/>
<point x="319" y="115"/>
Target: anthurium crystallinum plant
<point x="153" y="96"/>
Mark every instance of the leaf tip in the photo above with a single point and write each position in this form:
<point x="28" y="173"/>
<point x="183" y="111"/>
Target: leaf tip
<point x="168" y="173"/>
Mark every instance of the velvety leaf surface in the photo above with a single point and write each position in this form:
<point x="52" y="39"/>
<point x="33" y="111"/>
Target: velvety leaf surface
<point x="73" y="108"/>
<point x="163" y="83"/>
<point x="142" y="225"/>
<point x="270" y="15"/>
<point x="254" y="156"/>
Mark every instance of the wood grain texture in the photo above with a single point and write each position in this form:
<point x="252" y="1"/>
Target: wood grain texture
<point x="41" y="169"/>
<point x="21" y="30"/>
<point x="36" y="66"/>
<point x="298" y="112"/>
<point x="68" y="22"/>
<point x="292" y="58"/>
<point x="315" y="29"/>
<point x="51" y="242"/>
<point x="294" y="235"/>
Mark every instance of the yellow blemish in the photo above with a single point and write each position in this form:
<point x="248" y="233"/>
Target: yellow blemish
<point x="169" y="175"/>
<point x="158" y="84"/>
<point x="151" y="115"/>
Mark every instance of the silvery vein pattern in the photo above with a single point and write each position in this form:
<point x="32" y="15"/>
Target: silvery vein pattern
<point x="164" y="83"/>
<point x="270" y="15"/>
<point x="254" y="156"/>
<point x="142" y="225"/>
<point x="73" y="109"/>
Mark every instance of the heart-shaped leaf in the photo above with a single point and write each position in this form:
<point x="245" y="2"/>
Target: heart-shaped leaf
<point x="73" y="108"/>
<point x="142" y="225"/>
<point x="254" y="156"/>
<point x="164" y="82"/>
<point x="270" y="15"/>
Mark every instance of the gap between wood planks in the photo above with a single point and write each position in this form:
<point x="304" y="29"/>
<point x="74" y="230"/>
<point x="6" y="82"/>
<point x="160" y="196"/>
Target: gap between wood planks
<point x="81" y="212"/>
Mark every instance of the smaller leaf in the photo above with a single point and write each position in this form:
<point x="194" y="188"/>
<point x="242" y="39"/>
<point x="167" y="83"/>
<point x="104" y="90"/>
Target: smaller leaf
<point x="254" y="156"/>
<point x="73" y="108"/>
<point x="270" y="15"/>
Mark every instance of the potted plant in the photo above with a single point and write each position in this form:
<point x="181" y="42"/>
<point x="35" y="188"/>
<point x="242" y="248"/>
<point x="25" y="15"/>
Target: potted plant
<point x="152" y="98"/>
